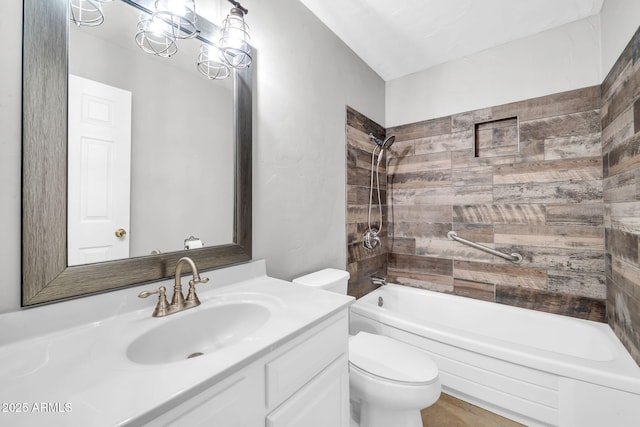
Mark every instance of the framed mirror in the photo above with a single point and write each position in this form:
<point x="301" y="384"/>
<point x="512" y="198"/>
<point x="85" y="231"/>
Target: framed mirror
<point x="47" y="276"/>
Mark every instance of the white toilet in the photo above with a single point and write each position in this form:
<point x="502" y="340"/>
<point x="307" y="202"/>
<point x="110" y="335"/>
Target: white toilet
<point x="389" y="381"/>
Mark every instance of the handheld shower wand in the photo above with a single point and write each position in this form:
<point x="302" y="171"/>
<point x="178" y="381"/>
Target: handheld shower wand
<point x="371" y="236"/>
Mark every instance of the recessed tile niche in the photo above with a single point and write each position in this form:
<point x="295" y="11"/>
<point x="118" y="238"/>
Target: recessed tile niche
<point x="496" y="137"/>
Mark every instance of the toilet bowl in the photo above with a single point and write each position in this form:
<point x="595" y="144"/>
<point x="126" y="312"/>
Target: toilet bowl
<point x="389" y="381"/>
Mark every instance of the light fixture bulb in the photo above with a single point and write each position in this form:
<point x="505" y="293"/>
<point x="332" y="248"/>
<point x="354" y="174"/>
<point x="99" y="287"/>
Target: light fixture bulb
<point x="234" y="42"/>
<point x="158" y="27"/>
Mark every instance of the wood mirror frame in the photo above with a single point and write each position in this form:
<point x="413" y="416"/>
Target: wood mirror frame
<point x="46" y="277"/>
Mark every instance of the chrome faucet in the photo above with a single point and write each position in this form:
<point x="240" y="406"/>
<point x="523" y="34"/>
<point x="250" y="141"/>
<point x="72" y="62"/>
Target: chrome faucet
<point x="178" y="301"/>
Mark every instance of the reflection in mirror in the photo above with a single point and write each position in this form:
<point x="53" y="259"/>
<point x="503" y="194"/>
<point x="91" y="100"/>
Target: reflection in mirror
<point x="47" y="275"/>
<point x="178" y="140"/>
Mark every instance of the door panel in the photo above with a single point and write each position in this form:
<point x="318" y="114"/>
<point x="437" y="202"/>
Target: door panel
<point x="99" y="172"/>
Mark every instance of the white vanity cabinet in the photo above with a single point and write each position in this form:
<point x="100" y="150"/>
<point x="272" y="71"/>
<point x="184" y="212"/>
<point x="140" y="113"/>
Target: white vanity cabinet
<point x="300" y="382"/>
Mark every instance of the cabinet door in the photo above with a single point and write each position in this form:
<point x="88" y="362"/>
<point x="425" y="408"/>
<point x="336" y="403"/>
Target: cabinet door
<point x="311" y="354"/>
<point x="322" y="402"/>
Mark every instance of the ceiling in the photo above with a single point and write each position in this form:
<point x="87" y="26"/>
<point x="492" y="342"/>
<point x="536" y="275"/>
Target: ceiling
<point x="400" y="37"/>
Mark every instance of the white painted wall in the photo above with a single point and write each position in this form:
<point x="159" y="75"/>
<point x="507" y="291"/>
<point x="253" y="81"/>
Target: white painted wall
<point x="619" y="20"/>
<point x="303" y="78"/>
<point x="554" y="61"/>
<point x="10" y="154"/>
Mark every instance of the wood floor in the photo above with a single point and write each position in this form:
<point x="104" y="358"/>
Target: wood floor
<point x="451" y="412"/>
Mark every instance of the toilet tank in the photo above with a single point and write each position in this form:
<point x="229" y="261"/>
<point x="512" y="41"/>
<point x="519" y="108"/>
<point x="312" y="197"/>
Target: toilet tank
<point x="329" y="279"/>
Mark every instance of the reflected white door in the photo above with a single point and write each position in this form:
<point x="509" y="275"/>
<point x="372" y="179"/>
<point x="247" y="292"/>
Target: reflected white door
<point x="99" y="172"/>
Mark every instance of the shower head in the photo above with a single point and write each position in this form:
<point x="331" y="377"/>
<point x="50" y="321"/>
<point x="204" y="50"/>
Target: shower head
<point x="382" y="144"/>
<point x="388" y="142"/>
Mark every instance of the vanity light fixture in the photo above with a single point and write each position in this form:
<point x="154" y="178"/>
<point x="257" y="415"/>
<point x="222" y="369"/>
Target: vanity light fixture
<point x="86" y="12"/>
<point x="158" y="32"/>
<point x="210" y="63"/>
<point x="234" y="41"/>
<point x="172" y="20"/>
<point x="152" y="37"/>
<point x="180" y="17"/>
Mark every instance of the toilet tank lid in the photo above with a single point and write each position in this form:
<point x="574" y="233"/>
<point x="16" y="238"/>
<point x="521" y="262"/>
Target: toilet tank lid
<point x="323" y="278"/>
<point x="391" y="359"/>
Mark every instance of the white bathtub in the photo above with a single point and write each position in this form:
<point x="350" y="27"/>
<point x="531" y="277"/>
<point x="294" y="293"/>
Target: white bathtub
<point x="535" y="368"/>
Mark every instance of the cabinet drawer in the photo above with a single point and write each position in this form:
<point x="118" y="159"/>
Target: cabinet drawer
<point x="224" y="404"/>
<point x="292" y="370"/>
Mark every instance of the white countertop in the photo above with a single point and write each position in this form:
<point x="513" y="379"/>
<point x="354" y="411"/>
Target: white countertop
<point x="81" y="376"/>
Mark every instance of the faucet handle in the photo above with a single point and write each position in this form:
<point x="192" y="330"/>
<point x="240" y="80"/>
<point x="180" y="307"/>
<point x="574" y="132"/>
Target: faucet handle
<point x="192" y="299"/>
<point x="198" y="279"/>
<point x="162" y="308"/>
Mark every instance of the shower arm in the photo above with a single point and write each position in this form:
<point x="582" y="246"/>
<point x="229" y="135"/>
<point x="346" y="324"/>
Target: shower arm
<point x="516" y="258"/>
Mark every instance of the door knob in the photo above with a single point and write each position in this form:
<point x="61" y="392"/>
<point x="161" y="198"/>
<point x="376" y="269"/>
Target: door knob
<point x="120" y="233"/>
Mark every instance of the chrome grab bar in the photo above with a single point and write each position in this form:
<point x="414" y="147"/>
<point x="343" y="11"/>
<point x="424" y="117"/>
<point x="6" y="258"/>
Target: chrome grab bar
<point x="514" y="257"/>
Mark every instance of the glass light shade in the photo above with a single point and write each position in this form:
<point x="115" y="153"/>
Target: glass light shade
<point x="152" y="37"/>
<point x="209" y="63"/>
<point x="180" y="15"/>
<point x="86" y="12"/>
<point x="235" y="49"/>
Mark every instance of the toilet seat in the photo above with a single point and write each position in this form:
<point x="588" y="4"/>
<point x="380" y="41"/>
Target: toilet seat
<point x="391" y="360"/>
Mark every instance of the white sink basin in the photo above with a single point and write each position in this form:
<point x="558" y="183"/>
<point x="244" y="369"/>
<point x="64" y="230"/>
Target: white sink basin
<point x="198" y="331"/>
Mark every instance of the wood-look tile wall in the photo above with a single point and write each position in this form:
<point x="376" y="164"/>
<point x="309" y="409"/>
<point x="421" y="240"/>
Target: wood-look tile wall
<point x="524" y="177"/>
<point x="621" y="161"/>
<point x="568" y="200"/>
<point x="363" y="263"/>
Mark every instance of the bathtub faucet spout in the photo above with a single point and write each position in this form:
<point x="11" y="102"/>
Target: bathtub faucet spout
<point x="378" y="281"/>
